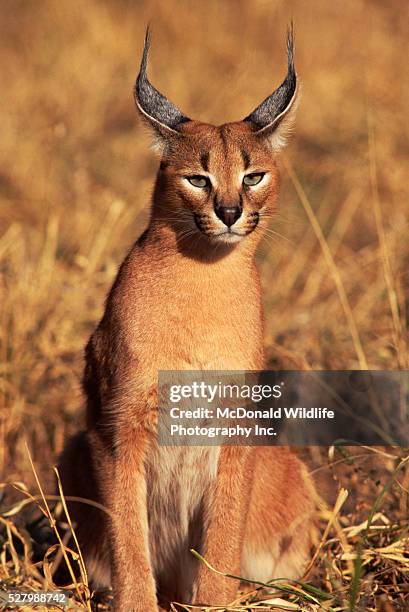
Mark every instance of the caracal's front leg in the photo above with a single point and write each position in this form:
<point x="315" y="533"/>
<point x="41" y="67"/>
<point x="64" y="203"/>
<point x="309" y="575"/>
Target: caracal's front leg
<point x="132" y="578"/>
<point x="225" y="524"/>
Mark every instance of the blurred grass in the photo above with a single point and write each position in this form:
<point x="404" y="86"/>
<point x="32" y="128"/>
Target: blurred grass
<point x="76" y="174"/>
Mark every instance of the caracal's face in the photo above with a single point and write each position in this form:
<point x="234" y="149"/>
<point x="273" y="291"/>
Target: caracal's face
<point x="220" y="182"/>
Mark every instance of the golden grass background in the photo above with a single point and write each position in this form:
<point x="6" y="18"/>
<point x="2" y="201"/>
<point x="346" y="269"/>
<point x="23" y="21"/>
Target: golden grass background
<point x="76" y="174"/>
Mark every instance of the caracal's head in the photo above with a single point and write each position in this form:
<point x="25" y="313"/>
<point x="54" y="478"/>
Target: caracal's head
<point x="217" y="181"/>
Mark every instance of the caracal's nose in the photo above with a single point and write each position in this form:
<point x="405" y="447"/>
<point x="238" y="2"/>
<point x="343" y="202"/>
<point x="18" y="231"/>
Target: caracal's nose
<point x="228" y="214"/>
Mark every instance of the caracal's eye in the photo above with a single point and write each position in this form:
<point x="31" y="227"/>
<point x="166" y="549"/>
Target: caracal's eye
<point x="199" y="181"/>
<point x="253" y="179"/>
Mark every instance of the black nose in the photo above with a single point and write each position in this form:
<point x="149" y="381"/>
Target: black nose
<point x="228" y="214"/>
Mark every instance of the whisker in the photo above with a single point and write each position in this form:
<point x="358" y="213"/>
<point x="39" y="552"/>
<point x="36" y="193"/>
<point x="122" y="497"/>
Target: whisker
<point x="180" y="219"/>
<point x="270" y="240"/>
<point x="186" y="234"/>
<point x="272" y="232"/>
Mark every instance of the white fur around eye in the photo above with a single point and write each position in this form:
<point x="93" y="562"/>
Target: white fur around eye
<point x="193" y="188"/>
<point x="262" y="182"/>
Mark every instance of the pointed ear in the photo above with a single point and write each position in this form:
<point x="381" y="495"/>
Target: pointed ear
<point x="161" y="116"/>
<point x="274" y="117"/>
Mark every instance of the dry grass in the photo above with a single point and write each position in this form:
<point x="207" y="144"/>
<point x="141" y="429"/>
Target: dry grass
<point x="75" y="178"/>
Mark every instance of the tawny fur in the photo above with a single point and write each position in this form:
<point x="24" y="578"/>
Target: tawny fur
<point x="185" y="299"/>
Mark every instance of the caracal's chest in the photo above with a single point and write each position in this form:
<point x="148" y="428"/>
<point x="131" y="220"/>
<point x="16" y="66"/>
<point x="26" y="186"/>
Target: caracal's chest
<point x="178" y="478"/>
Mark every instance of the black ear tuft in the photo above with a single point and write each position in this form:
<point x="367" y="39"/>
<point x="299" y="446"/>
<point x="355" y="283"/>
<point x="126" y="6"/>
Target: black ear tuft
<point x="158" y="110"/>
<point x="276" y="105"/>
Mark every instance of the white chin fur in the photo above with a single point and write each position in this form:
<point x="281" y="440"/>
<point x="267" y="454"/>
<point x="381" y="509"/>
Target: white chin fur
<point x="227" y="238"/>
